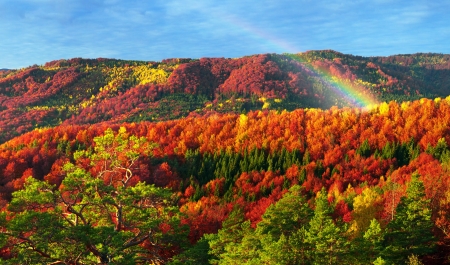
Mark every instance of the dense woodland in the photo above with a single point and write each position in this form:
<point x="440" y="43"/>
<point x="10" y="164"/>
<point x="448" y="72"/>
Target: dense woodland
<point x="87" y="91"/>
<point x="226" y="161"/>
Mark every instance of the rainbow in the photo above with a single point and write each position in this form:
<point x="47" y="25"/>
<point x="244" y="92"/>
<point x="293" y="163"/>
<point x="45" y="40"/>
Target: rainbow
<point x="353" y="94"/>
<point x="347" y="92"/>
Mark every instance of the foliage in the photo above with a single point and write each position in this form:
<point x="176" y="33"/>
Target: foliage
<point x="410" y="232"/>
<point x="106" y="217"/>
<point x="88" y="91"/>
<point x="348" y="170"/>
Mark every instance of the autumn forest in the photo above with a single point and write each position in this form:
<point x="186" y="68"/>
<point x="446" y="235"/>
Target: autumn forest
<point x="252" y="160"/>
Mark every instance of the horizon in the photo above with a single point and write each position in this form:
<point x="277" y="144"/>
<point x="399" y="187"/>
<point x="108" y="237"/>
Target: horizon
<point x="120" y="59"/>
<point x="40" y="31"/>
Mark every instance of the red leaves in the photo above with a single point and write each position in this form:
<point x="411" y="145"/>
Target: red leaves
<point x="164" y="177"/>
<point x="189" y="191"/>
<point x="260" y="77"/>
<point x="190" y="78"/>
<point x="205" y="216"/>
<point x="330" y="138"/>
<point x="255" y="210"/>
<point x="56" y="174"/>
<point x="342" y="211"/>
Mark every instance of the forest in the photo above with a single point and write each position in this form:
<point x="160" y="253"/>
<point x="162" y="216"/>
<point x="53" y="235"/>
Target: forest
<point x="88" y="91"/>
<point x="254" y="160"/>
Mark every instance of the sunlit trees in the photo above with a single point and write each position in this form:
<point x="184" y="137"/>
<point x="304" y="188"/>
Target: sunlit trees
<point x="100" y="214"/>
<point x="328" y="245"/>
<point x="212" y="162"/>
<point x="410" y="231"/>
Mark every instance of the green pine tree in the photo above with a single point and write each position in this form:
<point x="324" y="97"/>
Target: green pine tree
<point x="233" y="230"/>
<point x="372" y="243"/>
<point x="286" y="216"/>
<point x="197" y="254"/>
<point x="326" y="238"/>
<point x="411" y="230"/>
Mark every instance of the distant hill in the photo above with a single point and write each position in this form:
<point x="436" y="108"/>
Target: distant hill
<point x="87" y="91"/>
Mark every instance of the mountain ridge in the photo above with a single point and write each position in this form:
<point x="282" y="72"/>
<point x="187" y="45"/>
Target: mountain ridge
<point x="87" y="91"/>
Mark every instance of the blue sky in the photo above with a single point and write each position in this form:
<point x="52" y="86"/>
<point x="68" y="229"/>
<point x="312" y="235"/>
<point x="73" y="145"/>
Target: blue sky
<point x="38" y="31"/>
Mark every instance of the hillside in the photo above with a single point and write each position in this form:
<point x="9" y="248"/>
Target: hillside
<point x="363" y="162"/>
<point x="311" y="158"/>
<point x="88" y="91"/>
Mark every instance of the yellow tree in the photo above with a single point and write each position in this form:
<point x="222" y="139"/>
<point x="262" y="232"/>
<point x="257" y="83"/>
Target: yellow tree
<point x="365" y="208"/>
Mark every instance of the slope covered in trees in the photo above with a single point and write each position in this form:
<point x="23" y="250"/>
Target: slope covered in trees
<point x="88" y="91"/>
<point x="310" y="186"/>
<point x="253" y="160"/>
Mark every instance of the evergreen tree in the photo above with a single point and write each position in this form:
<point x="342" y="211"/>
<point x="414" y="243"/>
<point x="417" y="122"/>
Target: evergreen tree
<point x="364" y="149"/>
<point x="326" y="238"/>
<point x="282" y="230"/>
<point x="379" y="261"/>
<point x="411" y="230"/>
<point x="276" y="251"/>
<point x="280" y="238"/>
<point x="372" y="244"/>
<point x="439" y="149"/>
<point x="247" y="251"/>
<point x="300" y="248"/>
<point x="233" y="230"/>
<point x="286" y="216"/>
<point x="197" y="254"/>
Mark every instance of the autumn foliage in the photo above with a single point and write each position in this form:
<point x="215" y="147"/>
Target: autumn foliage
<point x="87" y="91"/>
<point x="231" y="152"/>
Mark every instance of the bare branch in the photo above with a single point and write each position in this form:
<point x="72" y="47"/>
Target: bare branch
<point x="138" y="239"/>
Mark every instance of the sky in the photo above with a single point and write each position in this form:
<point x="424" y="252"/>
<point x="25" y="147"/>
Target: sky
<point x="39" y="31"/>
